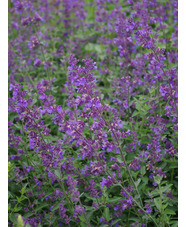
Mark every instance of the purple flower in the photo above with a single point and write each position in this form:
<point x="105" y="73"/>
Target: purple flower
<point x="47" y="64"/>
<point x="37" y="18"/>
<point x="50" y="174"/>
<point x="37" y="62"/>
<point x="107" y="182"/>
<point x="26" y="21"/>
<point x="129" y="200"/>
<point x="15" y="25"/>
<point x="15" y="157"/>
<point x="101" y="219"/>
<point x="103" y="183"/>
<point x="148" y="208"/>
<point x="19" y="6"/>
<point x="78" y="210"/>
<point x="124" y="206"/>
<point x="33" y="43"/>
<point x="170" y="195"/>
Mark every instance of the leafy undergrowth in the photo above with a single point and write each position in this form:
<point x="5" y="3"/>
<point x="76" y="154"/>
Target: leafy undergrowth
<point x="93" y="93"/>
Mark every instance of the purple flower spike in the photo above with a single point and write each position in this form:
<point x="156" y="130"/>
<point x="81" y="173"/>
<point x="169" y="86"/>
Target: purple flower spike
<point x="33" y="43"/>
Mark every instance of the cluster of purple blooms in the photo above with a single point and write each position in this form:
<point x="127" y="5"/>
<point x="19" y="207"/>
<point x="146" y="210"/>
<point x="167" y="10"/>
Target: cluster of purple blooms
<point x="86" y="136"/>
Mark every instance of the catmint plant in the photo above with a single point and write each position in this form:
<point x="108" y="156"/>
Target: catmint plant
<point x="93" y="113"/>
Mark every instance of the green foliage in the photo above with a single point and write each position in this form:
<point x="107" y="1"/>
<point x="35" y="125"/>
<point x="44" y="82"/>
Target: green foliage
<point x="86" y="42"/>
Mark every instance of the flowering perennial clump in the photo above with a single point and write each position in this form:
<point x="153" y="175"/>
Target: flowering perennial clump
<point x="93" y="113"/>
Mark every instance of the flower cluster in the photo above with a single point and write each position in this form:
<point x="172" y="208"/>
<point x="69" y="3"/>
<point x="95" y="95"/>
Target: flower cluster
<point x="93" y="113"/>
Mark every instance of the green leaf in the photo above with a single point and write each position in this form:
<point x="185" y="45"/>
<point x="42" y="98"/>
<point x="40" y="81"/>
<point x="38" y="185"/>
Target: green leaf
<point x="115" y="221"/>
<point x="89" y="197"/>
<point x="20" y="222"/>
<point x="137" y="182"/>
<point x="170" y="161"/>
<point x="114" y="199"/>
<point x="163" y="189"/>
<point x="89" y="214"/>
<point x="10" y="195"/>
<point x="82" y="218"/>
<point x="145" y="179"/>
<point x="106" y="212"/>
<point x="27" y="215"/>
<point x="175" y="224"/>
<point x="143" y="170"/>
<point x="157" y="203"/>
<point x="158" y="179"/>
<point x="58" y="173"/>
<point x="13" y="217"/>
<point x="41" y="207"/>
<point x="155" y="192"/>
<point x="83" y="224"/>
<point x="168" y="211"/>
<point x="56" y="206"/>
<point x="134" y="219"/>
<point x="16" y="209"/>
<point x="173" y="166"/>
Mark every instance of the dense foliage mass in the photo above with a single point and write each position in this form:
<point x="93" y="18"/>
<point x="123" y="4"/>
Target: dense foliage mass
<point x="93" y="113"/>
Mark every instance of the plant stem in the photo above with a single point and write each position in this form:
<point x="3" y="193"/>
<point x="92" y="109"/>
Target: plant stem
<point x="157" y="58"/>
<point x="134" y="200"/>
<point x="161" y="206"/>
<point x="138" y="204"/>
<point x="123" y="159"/>
<point x="85" y="214"/>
